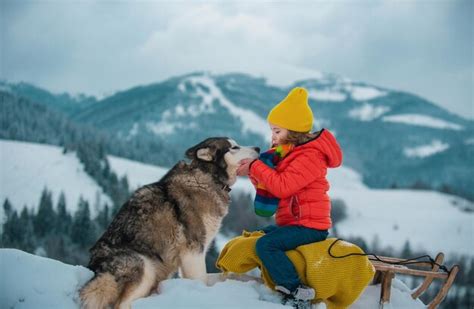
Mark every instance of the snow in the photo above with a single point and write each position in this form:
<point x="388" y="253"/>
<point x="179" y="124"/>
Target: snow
<point x="5" y="87"/>
<point x="180" y="110"/>
<point x="337" y="89"/>
<point x="327" y="95"/>
<point x="167" y="127"/>
<point x="138" y="174"/>
<point x="436" y="146"/>
<point x="430" y="220"/>
<point x="469" y="141"/>
<point x="227" y="294"/>
<point x="168" y="123"/>
<point x="368" y="112"/>
<point x="399" y="298"/>
<point x="25" y="282"/>
<point x="182" y="87"/>
<point x="133" y="131"/>
<point x="423" y="120"/>
<point x="27" y="168"/>
<point x="364" y="93"/>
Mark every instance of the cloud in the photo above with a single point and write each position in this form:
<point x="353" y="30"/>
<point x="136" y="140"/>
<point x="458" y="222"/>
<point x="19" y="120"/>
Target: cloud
<point x="101" y="47"/>
<point x="217" y="42"/>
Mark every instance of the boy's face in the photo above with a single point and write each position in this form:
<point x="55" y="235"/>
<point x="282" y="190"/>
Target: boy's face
<point x="279" y="135"/>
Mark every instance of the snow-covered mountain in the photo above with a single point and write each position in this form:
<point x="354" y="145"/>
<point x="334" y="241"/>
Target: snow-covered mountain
<point x="429" y="220"/>
<point x="26" y="283"/>
<point x="392" y="138"/>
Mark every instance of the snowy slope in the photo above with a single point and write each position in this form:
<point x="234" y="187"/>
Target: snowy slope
<point x="27" y="168"/>
<point x="25" y="282"/>
<point x="430" y="220"/>
<point x="138" y="174"/>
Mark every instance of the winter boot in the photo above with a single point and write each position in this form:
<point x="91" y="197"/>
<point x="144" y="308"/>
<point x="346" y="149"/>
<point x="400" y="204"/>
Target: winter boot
<point x="299" y="298"/>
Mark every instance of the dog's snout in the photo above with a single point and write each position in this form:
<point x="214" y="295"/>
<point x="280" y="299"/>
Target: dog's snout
<point x="257" y="149"/>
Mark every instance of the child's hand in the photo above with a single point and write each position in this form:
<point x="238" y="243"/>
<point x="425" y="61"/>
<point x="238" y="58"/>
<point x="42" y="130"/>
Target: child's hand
<point x="243" y="169"/>
<point x="253" y="181"/>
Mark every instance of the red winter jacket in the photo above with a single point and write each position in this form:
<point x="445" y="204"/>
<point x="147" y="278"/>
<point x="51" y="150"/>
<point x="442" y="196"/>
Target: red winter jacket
<point x="299" y="180"/>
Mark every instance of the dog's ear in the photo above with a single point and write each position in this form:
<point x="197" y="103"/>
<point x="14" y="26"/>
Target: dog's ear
<point x="206" y="154"/>
<point x="203" y="151"/>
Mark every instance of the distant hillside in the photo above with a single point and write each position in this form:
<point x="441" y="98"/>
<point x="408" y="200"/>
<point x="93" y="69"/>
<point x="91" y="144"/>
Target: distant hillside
<point x="25" y="120"/>
<point x="392" y="138"/>
<point x="63" y="102"/>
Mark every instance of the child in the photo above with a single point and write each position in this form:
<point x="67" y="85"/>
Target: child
<point x="299" y="182"/>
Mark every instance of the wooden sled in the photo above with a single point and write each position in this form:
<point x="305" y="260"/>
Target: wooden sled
<point x="386" y="272"/>
<point x="384" y="275"/>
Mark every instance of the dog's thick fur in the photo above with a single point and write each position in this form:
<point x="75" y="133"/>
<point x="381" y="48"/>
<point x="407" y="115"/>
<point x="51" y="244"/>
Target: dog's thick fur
<point x="164" y="226"/>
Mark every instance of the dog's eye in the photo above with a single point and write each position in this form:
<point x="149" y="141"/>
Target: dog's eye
<point x="235" y="148"/>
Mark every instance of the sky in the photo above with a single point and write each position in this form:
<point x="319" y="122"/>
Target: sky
<point x="100" y="47"/>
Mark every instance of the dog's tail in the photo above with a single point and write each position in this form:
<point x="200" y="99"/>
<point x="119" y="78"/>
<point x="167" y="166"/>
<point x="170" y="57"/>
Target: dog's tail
<point x="100" y="292"/>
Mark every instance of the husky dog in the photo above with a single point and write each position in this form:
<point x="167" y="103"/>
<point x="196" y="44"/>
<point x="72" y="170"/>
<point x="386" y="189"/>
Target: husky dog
<point x="164" y="226"/>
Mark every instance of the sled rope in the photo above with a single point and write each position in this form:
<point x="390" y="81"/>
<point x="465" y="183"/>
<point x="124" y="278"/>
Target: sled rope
<point x="403" y="262"/>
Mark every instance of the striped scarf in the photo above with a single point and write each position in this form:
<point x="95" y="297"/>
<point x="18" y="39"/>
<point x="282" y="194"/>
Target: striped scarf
<point x="265" y="203"/>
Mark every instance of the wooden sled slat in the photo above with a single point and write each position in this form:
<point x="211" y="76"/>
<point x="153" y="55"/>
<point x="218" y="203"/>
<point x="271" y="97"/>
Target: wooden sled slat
<point x="408" y="271"/>
<point x="429" y="279"/>
<point x="445" y="288"/>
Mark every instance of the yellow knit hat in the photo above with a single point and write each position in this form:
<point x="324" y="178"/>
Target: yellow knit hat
<point x="293" y="113"/>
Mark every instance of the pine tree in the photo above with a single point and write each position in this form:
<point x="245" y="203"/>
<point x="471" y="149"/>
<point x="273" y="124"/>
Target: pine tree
<point x="406" y="251"/>
<point x="123" y="188"/>
<point x="338" y="211"/>
<point x="45" y="218"/>
<point x="468" y="299"/>
<point x="375" y="246"/>
<point x="64" y="219"/>
<point x="82" y="230"/>
<point x="7" y="208"/>
<point x="103" y="218"/>
<point x="106" y="170"/>
<point x="27" y="231"/>
<point x="11" y="236"/>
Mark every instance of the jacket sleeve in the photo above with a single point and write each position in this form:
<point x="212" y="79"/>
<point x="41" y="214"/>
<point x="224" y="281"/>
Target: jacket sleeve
<point x="303" y="170"/>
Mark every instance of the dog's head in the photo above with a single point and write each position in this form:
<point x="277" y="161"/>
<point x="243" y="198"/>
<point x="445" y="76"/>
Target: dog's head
<point x="224" y="154"/>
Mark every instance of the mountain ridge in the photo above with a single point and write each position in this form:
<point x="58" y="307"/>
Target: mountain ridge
<point x="393" y="138"/>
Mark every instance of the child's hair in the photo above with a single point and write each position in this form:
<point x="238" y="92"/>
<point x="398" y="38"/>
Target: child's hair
<point x="298" y="138"/>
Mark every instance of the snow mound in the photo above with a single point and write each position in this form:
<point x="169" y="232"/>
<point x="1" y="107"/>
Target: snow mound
<point x="424" y="151"/>
<point x="364" y="93"/>
<point x="30" y="281"/>
<point x="327" y="95"/>
<point x="368" y="112"/>
<point x="423" y="121"/>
